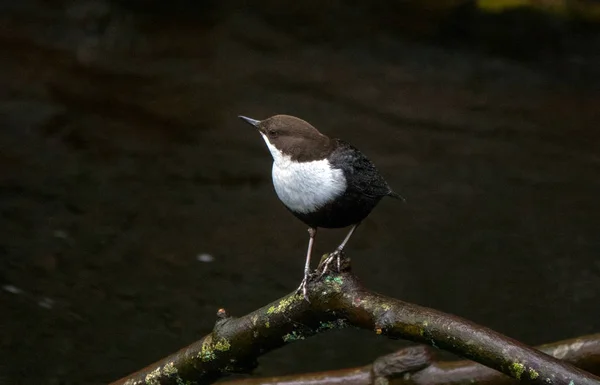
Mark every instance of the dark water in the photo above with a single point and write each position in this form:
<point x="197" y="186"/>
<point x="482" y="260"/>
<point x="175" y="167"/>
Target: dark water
<point x="122" y="161"/>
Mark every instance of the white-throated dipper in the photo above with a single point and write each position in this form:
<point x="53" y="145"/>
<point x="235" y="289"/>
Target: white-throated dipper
<point x="324" y="182"/>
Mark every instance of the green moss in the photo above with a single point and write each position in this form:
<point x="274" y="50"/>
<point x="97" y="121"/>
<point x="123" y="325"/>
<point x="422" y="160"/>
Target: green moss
<point x="170" y="369"/>
<point x="336" y="280"/>
<point x="207" y="353"/>
<point x="337" y="324"/>
<point x="222" y="345"/>
<point x="293" y="336"/>
<point x="517" y="369"/>
<point x="267" y="324"/>
<point x="153" y="378"/>
<point x="284" y="304"/>
<point x="533" y="374"/>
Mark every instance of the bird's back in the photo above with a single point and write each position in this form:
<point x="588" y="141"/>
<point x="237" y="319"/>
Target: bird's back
<point x="361" y="174"/>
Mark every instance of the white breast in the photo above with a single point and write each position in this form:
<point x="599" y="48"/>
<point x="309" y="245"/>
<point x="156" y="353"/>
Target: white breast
<point x="305" y="187"/>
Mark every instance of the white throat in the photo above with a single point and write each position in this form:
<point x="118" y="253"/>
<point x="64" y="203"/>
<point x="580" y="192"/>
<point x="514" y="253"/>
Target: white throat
<point x="305" y="187"/>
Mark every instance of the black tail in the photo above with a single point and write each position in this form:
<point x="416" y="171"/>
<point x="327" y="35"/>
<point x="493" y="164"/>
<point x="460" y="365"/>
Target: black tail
<point x="396" y="196"/>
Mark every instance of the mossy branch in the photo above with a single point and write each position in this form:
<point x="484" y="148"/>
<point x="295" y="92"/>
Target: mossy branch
<point x="339" y="300"/>
<point x="416" y="365"/>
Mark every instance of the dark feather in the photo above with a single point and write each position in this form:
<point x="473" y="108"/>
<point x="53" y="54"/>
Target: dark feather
<point x="361" y="174"/>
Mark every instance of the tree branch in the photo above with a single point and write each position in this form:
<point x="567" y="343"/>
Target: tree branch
<point x="336" y="301"/>
<point x="418" y="362"/>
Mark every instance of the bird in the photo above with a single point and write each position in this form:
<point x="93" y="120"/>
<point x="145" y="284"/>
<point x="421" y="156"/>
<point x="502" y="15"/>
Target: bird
<point x="325" y="182"/>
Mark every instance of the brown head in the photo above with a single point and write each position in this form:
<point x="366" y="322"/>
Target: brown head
<point x="293" y="137"/>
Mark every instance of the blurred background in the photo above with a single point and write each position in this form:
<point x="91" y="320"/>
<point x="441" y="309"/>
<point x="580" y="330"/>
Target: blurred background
<point x="134" y="203"/>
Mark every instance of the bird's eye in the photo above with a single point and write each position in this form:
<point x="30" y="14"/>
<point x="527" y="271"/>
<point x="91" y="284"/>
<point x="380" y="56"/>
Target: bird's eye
<point x="272" y="133"/>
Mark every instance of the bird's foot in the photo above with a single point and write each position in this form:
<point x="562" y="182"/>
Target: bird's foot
<point x="302" y="288"/>
<point x="335" y="255"/>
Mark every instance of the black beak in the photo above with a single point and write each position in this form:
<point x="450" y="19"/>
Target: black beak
<point x="250" y="121"/>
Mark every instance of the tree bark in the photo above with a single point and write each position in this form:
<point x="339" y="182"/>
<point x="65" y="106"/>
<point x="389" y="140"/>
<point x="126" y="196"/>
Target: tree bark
<point x="416" y="366"/>
<point x="338" y="300"/>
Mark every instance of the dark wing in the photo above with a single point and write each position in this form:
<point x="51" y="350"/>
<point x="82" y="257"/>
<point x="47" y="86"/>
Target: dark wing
<point x="361" y="174"/>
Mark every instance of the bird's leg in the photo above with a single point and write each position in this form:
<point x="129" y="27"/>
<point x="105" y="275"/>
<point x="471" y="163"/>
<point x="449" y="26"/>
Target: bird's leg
<point x="337" y="253"/>
<point x="312" y="232"/>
